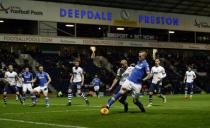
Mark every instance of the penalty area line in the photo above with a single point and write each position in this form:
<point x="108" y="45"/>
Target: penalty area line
<point x="41" y="123"/>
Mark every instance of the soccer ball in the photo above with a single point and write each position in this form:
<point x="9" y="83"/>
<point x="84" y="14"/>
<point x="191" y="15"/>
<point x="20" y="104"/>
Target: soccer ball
<point x="60" y="94"/>
<point x="104" y="111"/>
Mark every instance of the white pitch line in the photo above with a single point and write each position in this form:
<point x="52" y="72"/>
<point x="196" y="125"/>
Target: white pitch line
<point x="49" y="112"/>
<point x="22" y="113"/>
<point x="41" y="123"/>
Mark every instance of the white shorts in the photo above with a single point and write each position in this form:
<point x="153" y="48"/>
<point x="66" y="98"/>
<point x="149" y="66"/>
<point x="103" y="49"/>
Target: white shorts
<point x="131" y="86"/>
<point x="19" y="85"/>
<point x="43" y="89"/>
<point x="27" y="87"/>
<point x="96" y="88"/>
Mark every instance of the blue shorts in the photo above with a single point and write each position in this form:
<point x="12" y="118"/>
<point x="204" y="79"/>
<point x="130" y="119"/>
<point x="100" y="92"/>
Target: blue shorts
<point x="11" y="89"/>
<point x="75" y="85"/>
<point x="189" y="85"/>
<point x="155" y="88"/>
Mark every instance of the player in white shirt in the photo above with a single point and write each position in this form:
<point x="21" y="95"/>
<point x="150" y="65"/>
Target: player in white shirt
<point x="76" y="81"/>
<point x="122" y="74"/>
<point x="11" y="77"/>
<point x="19" y="86"/>
<point x="189" y="78"/>
<point x="157" y="74"/>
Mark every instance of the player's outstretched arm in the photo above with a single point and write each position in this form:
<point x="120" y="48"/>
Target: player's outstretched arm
<point x="83" y="78"/>
<point x="185" y="77"/>
<point x="49" y="79"/>
<point x="194" y="76"/>
<point x="34" y="80"/>
<point x="19" y="79"/>
<point x="163" y="73"/>
<point x="114" y="83"/>
<point x="147" y="77"/>
<point x="71" y="78"/>
<point x="154" y="52"/>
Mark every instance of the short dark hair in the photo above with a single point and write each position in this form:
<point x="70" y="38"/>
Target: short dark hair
<point x="40" y="66"/>
<point x="144" y="52"/>
<point x="76" y="60"/>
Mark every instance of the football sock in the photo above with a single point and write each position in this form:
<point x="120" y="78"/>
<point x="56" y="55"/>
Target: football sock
<point x="83" y="96"/>
<point x="123" y="100"/>
<point x="150" y="98"/>
<point x="5" y="99"/>
<point x="69" y="97"/>
<point x="162" y="96"/>
<point x="33" y="98"/>
<point x="24" y="97"/>
<point x="46" y="100"/>
<point x="97" y="93"/>
<point x="139" y="104"/>
<point x="113" y="99"/>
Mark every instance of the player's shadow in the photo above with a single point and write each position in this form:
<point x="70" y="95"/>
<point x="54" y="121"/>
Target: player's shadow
<point x="136" y="112"/>
<point x="156" y="105"/>
<point x="129" y="112"/>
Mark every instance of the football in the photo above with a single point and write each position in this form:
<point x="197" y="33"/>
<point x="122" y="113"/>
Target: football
<point x="104" y="111"/>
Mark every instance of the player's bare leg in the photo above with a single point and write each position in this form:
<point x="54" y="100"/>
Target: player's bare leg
<point x="16" y="98"/>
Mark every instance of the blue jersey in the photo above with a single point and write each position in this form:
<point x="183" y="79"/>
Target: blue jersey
<point x="96" y="82"/>
<point x="42" y="78"/>
<point x="139" y="72"/>
<point x="27" y="76"/>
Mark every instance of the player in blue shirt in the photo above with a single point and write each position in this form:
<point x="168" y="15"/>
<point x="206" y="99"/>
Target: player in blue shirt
<point x="43" y="80"/>
<point x="96" y="82"/>
<point x="27" y="78"/>
<point x="134" y="82"/>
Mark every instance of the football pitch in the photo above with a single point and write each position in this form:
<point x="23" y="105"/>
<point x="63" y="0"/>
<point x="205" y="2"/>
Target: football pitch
<point x="176" y="113"/>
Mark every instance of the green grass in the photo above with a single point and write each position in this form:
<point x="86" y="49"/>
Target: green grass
<point x="176" y="113"/>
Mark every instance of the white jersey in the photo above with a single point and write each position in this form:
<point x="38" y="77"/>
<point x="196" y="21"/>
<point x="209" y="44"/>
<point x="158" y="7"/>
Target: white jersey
<point x="125" y="75"/>
<point x="190" y="76"/>
<point x="20" y="83"/>
<point x="11" y="77"/>
<point x="77" y="74"/>
<point x="158" y="73"/>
